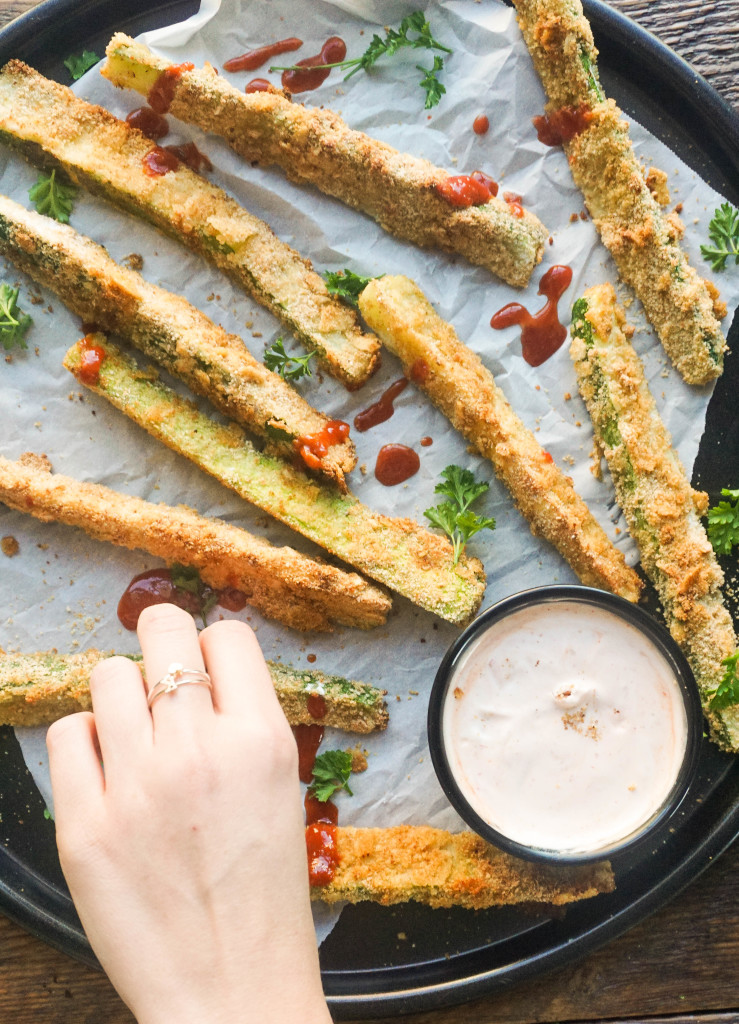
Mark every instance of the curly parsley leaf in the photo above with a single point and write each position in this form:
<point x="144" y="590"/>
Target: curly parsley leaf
<point x="53" y="197"/>
<point x="724" y="233"/>
<point x="14" y="323"/>
<point x="346" y="285"/>
<point x="289" y="367"/>
<point x="187" y="579"/>
<point x="727" y="691"/>
<point x="78" y="63"/>
<point x="455" y="517"/>
<point x="723" y="523"/>
<point x="414" y="32"/>
<point x="331" y="773"/>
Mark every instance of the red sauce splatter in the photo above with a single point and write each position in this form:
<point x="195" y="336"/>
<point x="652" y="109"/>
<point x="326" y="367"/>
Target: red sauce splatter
<point x="148" y="122"/>
<point x="463" y="190"/>
<point x="311" y="658"/>
<point x="426" y="442"/>
<point x="259" y="85"/>
<point x="311" y="74"/>
<point x="159" y="161"/>
<point x="232" y="599"/>
<point x="162" y="91"/>
<point x="189" y="154"/>
<point x="562" y="125"/>
<point x="382" y="409"/>
<point x="316" y="703"/>
<point x="548" y="457"/>
<point x="541" y="334"/>
<point x="308" y="739"/>
<point x="320" y="810"/>
<point x="514" y="203"/>
<point x="481" y="124"/>
<point x="254" y="59"/>
<point x="395" y="464"/>
<point x="490" y="184"/>
<point x="152" y="587"/>
<point x="323" y="855"/>
<point x="314" y="447"/>
<point x="91" y="359"/>
<point x="419" y="371"/>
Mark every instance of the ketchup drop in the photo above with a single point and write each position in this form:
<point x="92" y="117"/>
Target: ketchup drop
<point x="91" y="360"/>
<point x="148" y="122"/>
<point x="308" y="739"/>
<point x="395" y="464"/>
<point x="382" y="409"/>
<point x="160" y="161"/>
<point x="310" y="71"/>
<point x="481" y="124"/>
<point x="562" y="125"/>
<point x="254" y="59"/>
<point x="321" y="819"/>
<point x="162" y="91"/>
<point x="258" y="85"/>
<point x="314" y="447"/>
<point x="541" y="333"/>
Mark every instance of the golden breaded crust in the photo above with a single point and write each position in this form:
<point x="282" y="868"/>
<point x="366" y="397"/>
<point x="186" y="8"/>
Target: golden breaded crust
<point x="315" y="146"/>
<point x="662" y="509"/>
<point x="279" y="582"/>
<point x="643" y="240"/>
<point x="444" y="869"/>
<point x="167" y="329"/>
<point x="51" y="125"/>
<point x="459" y="384"/>
<point x="399" y="553"/>
<point x="37" y="689"/>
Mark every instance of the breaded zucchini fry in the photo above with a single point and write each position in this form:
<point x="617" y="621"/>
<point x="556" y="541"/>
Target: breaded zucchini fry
<point x="280" y="582"/>
<point x="642" y="239"/>
<point x="662" y="509"/>
<point x="169" y="330"/>
<point x="444" y="869"/>
<point x="315" y="146"/>
<point x="50" y="125"/>
<point x="458" y="383"/>
<point x="36" y="689"/>
<point x="397" y="552"/>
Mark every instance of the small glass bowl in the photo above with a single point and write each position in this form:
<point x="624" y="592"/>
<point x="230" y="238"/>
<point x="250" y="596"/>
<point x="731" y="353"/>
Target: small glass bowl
<point x="661" y="642"/>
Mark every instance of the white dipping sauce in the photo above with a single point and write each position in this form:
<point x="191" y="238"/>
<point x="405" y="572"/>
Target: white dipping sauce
<point x="564" y="727"/>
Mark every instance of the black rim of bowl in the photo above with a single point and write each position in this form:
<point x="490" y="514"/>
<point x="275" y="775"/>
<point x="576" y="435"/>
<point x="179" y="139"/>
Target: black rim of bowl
<point x="630" y="613"/>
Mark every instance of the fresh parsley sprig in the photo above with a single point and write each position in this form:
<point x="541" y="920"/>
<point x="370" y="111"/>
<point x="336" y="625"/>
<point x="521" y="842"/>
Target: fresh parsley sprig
<point x="14" y="323"/>
<point x="397" y="39"/>
<point x="289" y="367"/>
<point x="331" y="773"/>
<point x="187" y="579"/>
<point x="455" y="516"/>
<point x="723" y="523"/>
<point x="346" y="285"/>
<point x="727" y="691"/>
<point x="724" y="233"/>
<point x="78" y="63"/>
<point x="53" y="197"/>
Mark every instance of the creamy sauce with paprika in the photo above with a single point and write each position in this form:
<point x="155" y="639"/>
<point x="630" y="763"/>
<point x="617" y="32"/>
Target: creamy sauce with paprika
<point x="564" y="727"/>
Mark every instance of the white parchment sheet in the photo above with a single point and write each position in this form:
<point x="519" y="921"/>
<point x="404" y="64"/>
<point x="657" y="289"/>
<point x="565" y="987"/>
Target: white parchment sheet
<point x="61" y="590"/>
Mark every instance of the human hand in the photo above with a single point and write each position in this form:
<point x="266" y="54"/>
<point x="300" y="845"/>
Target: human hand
<point x="185" y="855"/>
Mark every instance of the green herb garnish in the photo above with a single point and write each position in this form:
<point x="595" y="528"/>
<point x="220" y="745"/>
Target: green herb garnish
<point x="78" y="63"/>
<point x="187" y="579"/>
<point x="455" y="516"/>
<point x="346" y="285"/>
<point x="397" y="40"/>
<point x="592" y="72"/>
<point x="14" y="323"/>
<point x="288" y="367"/>
<point x="724" y="233"/>
<point x="723" y="523"/>
<point x="53" y="197"/>
<point x="331" y="772"/>
<point x="727" y="691"/>
<point x="581" y="326"/>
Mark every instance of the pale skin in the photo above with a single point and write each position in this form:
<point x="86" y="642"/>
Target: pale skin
<point x="186" y="856"/>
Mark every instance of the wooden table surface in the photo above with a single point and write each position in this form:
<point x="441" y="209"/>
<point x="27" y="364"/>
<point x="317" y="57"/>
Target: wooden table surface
<point x="681" y="963"/>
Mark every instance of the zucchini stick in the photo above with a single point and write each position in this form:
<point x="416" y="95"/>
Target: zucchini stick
<point x="458" y="383"/>
<point x="280" y="582"/>
<point x="50" y="125"/>
<point x="316" y="147"/>
<point x="397" y="552"/>
<point x="444" y="869"/>
<point x="642" y="239"/>
<point x="36" y="689"/>
<point x="169" y="330"/>
<point x="661" y="508"/>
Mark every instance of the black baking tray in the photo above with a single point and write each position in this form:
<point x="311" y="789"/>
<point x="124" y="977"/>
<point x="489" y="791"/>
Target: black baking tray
<point x="387" y="961"/>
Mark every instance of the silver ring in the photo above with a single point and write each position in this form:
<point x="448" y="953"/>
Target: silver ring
<point x="176" y="676"/>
